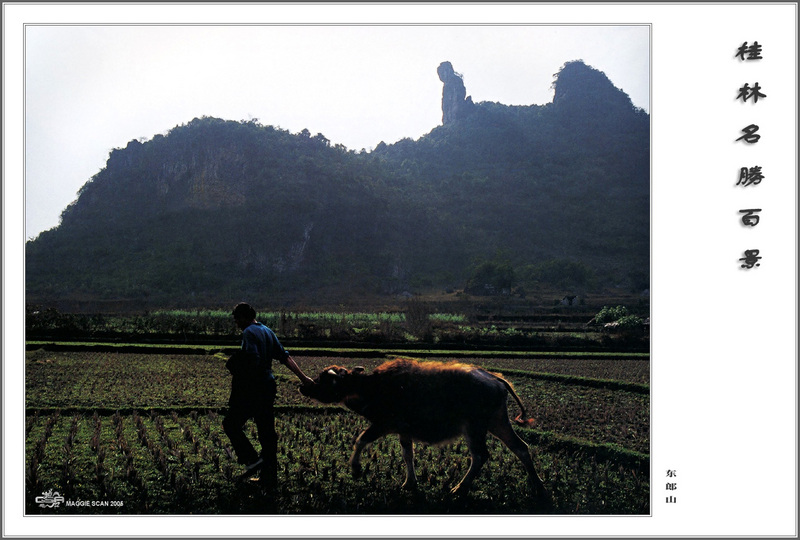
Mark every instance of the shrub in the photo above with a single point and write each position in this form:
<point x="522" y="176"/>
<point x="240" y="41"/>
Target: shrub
<point x="610" y="314"/>
<point x="630" y="322"/>
<point x="630" y="326"/>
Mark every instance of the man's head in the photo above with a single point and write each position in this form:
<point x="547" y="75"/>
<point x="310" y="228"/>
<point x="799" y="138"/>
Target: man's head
<point x="243" y="314"/>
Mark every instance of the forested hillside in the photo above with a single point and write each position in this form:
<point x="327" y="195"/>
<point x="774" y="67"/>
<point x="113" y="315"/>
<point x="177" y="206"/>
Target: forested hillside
<point x="496" y="199"/>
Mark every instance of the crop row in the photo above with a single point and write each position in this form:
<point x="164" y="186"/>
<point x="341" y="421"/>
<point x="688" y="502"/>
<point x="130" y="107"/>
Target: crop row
<point x="182" y="463"/>
<point x="416" y="323"/>
<point x="219" y="323"/>
<point x="274" y="317"/>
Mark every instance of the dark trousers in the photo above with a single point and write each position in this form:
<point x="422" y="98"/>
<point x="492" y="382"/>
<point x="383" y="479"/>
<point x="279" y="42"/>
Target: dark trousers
<point x="261" y="410"/>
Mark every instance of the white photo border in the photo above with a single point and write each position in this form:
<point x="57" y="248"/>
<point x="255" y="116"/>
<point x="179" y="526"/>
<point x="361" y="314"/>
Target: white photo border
<point x="724" y="341"/>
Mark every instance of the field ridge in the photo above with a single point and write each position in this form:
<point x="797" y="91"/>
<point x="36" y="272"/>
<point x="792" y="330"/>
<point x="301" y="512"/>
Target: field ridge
<point x="353" y="352"/>
<point x="608" y="384"/>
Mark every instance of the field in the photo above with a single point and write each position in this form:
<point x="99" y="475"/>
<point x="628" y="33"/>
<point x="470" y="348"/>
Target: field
<point x="140" y="433"/>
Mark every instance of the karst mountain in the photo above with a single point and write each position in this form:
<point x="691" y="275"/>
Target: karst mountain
<point x="497" y="199"/>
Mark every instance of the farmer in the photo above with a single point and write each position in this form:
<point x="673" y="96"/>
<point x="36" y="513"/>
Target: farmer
<point x="253" y="392"/>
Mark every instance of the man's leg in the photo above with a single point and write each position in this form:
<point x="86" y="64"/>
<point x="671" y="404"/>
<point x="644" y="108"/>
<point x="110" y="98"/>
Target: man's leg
<point x="265" y="424"/>
<point x="233" y="425"/>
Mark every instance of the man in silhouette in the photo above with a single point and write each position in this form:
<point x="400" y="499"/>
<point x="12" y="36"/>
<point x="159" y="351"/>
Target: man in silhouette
<point x="253" y="392"/>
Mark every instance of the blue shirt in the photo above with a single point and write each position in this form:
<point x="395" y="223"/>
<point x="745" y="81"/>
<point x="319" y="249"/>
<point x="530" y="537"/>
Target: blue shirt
<point x="260" y="340"/>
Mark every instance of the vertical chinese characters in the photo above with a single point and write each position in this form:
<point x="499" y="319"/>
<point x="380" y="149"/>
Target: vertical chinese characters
<point x="750" y="176"/>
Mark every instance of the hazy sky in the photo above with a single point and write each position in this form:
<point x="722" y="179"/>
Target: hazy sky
<point x="89" y="89"/>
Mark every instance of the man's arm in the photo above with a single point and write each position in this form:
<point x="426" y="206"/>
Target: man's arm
<point x="294" y="368"/>
<point x="249" y="342"/>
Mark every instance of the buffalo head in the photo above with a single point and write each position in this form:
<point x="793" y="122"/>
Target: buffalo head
<point x="331" y="385"/>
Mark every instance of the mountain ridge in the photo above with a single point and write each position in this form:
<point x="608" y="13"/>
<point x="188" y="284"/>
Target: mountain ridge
<point x="219" y="209"/>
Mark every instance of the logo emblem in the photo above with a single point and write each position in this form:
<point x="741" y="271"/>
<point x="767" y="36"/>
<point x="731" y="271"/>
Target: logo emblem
<point x="49" y="499"/>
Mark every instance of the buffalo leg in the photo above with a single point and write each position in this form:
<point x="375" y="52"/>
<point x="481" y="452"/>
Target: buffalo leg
<point x="372" y="433"/>
<point x="479" y="454"/>
<point x="503" y="431"/>
<point x="407" y="444"/>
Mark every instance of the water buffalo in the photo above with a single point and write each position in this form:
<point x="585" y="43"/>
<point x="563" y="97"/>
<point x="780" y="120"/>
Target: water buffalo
<point x="431" y="402"/>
